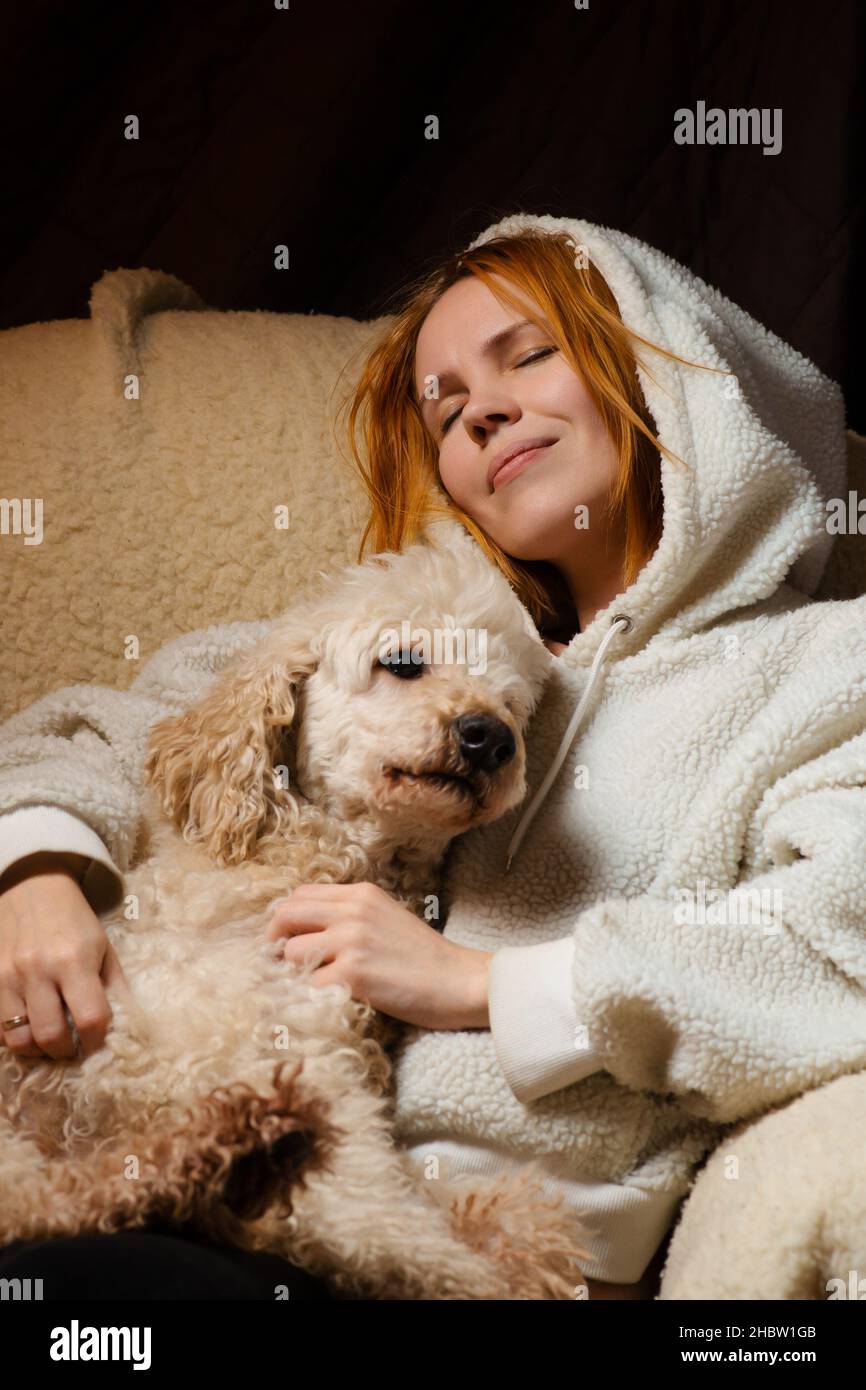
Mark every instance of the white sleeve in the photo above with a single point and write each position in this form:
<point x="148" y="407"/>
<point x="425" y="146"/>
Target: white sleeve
<point x="71" y="763"/>
<point x="762" y="995"/>
<point x="44" y="827"/>
<point x="540" y="1042"/>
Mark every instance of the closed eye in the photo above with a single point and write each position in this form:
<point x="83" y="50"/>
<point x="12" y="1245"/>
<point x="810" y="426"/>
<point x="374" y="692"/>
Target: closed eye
<point x="402" y="666"/>
<point x="533" y="357"/>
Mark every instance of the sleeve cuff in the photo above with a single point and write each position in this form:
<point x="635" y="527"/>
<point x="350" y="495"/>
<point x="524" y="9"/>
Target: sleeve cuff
<point x="29" y="829"/>
<point x="540" y="1042"/>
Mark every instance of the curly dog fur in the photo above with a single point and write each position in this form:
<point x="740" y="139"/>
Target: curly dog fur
<point x="231" y="1092"/>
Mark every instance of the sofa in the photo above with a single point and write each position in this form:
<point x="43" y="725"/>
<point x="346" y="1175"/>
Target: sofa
<point x="185" y="466"/>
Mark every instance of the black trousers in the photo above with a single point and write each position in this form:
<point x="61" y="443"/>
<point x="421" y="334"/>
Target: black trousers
<point x="154" y="1264"/>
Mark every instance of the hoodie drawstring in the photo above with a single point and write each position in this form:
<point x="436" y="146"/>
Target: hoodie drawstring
<point x="617" y="622"/>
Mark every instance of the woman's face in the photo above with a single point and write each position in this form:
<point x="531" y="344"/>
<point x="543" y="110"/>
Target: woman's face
<point x="495" y="394"/>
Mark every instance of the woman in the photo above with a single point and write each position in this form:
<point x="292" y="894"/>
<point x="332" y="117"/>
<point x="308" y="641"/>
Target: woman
<point x="665" y="532"/>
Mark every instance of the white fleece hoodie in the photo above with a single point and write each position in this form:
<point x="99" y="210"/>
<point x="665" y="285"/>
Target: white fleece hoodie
<point x="680" y="940"/>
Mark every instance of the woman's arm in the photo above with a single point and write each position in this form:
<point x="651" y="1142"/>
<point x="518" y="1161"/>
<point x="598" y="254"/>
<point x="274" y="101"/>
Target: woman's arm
<point x="730" y="1018"/>
<point x="54" y="957"/>
<point x="80" y="750"/>
<point x="50" y="831"/>
<point x="70" y="790"/>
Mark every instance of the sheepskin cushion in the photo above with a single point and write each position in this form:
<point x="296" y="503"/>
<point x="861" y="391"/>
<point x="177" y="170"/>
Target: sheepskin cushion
<point x="187" y="467"/>
<point x="779" y="1210"/>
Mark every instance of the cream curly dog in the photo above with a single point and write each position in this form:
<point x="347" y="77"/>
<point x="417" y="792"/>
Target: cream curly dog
<point x="231" y="1093"/>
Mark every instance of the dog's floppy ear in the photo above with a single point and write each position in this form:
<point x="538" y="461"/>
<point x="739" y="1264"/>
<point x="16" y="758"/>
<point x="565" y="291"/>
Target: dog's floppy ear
<point x="213" y="766"/>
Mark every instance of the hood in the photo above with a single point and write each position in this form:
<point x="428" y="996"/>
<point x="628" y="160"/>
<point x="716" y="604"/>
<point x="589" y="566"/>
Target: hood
<point x="764" y="453"/>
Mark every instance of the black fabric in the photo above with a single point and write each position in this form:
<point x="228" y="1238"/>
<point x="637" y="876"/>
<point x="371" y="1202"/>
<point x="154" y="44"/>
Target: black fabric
<point x="152" y="1265"/>
<point x="305" y="126"/>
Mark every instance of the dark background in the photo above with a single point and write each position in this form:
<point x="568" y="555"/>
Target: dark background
<point x="306" y="127"/>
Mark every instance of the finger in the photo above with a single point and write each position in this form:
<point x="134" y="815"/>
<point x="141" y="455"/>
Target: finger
<point x="51" y="1029"/>
<point x="112" y="974"/>
<point x="292" y="918"/>
<point x="330" y="890"/>
<point x="18" y="1040"/>
<point x="321" y="889"/>
<point x="317" y="948"/>
<point x="326" y="975"/>
<point x="309" y="902"/>
<point x="88" y="1004"/>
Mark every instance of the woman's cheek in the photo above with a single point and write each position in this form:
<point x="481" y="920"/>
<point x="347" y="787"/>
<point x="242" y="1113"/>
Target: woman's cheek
<point x="455" y="480"/>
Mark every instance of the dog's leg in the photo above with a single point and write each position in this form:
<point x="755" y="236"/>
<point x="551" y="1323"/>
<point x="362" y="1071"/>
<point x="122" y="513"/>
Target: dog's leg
<point x="536" y="1241"/>
<point x="233" y="1155"/>
<point x="373" y="1226"/>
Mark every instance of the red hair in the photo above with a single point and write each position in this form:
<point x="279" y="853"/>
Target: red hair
<point x="397" y="458"/>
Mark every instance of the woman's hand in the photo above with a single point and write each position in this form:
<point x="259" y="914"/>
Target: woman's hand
<point x="384" y="954"/>
<point x="53" y="952"/>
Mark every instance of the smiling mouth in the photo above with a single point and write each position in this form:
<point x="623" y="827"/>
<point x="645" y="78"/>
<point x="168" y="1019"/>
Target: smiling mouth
<point x="446" y="781"/>
<point x="516" y="463"/>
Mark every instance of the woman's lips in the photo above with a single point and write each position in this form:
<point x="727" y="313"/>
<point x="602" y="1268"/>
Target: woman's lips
<point x="517" y="465"/>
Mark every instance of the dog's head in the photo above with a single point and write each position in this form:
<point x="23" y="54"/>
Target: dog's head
<point x="395" y="698"/>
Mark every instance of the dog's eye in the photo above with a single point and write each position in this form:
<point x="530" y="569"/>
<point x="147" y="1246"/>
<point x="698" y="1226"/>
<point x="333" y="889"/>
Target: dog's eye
<point x="403" y="666"/>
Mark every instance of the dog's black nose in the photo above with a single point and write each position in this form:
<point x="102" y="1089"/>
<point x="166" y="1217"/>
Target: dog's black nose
<point x="484" y="741"/>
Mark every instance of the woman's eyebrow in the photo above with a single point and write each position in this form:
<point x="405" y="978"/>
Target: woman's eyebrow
<point x="496" y="340"/>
